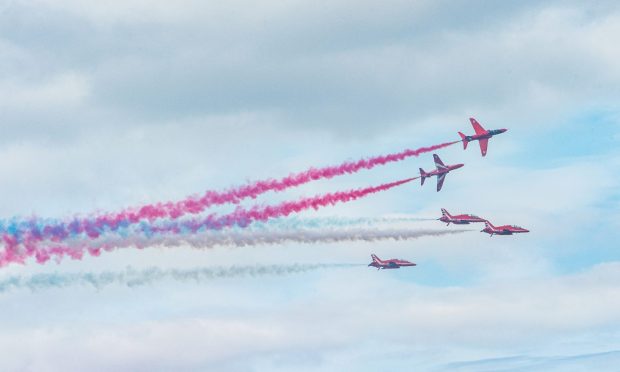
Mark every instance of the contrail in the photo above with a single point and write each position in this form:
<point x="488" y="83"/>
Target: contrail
<point x="93" y="226"/>
<point x="132" y="278"/>
<point x="209" y="239"/>
<point x="15" y="252"/>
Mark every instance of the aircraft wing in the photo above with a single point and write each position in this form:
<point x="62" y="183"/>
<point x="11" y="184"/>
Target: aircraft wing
<point x="393" y="265"/>
<point x="438" y="163"/>
<point x="477" y="127"/>
<point x="440" y="179"/>
<point x="484" y="143"/>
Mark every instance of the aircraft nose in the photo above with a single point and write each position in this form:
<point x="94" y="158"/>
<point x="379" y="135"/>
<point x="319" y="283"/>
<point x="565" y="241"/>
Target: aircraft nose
<point x="458" y="166"/>
<point x="503" y="130"/>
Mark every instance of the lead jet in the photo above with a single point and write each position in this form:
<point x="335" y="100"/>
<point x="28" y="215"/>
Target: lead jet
<point x="482" y="136"/>
<point x="502" y="230"/>
<point x="440" y="172"/>
<point x="393" y="263"/>
<point x="459" y="219"/>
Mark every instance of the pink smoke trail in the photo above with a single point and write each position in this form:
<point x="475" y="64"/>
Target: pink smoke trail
<point x="95" y="225"/>
<point x="235" y="195"/>
<point x="14" y="253"/>
<point x="243" y="216"/>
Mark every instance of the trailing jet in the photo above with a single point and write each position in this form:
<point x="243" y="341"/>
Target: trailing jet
<point x="440" y="172"/>
<point x="482" y="136"/>
<point x="388" y="264"/>
<point x="459" y="219"/>
<point x="502" y="230"/>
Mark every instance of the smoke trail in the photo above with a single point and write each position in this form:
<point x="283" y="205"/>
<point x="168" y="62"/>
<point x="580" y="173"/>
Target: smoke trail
<point x="236" y="194"/>
<point x="93" y="226"/>
<point x="243" y="217"/>
<point x="16" y="253"/>
<point x="292" y="222"/>
<point x="242" y="238"/>
<point x="251" y="238"/>
<point x="133" y="278"/>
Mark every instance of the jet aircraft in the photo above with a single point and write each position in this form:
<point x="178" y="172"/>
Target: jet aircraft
<point x="440" y="172"/>
<point x="482" y="136"/>
<point x="502" y="230"/>
<point x="459" y="219"/>
<point x="388" y="264"/>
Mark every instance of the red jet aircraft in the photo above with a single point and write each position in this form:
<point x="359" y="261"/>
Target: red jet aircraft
<point x="502" y="230"/>
<point x="459" y="219"/>
<point x="482" y="136"/>
<point x="440" y="172"/>
<point x="388" y="264"/>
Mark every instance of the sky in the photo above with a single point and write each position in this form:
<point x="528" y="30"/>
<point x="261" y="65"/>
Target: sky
<point x="124" y="103"/>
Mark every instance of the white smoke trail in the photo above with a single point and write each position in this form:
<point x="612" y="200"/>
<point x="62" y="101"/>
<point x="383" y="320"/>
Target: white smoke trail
<point x="242" y="238"/>
<point x="288" y="223"/>
<point x="248" y="238"/>
<point x="332" y="222"/>
<point x="132" y="278"/>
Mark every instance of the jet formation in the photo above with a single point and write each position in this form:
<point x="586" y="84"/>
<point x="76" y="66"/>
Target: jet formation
<point x="489" y="228"/>
<point x="482" y="136"/>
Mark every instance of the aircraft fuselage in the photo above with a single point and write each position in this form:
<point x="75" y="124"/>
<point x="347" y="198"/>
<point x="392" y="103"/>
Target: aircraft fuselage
<point x="454" y="221"/>
<point x="389" y="264"/>
<point x="447" y="169"/>
<point x="504" y="230"/>
<point x="488" y="134"/>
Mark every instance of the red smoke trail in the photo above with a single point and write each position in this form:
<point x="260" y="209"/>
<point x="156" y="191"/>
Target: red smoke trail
<point x="240" y="217"/>
<point x="236" y="194"/>
<point x="95" y="225"/>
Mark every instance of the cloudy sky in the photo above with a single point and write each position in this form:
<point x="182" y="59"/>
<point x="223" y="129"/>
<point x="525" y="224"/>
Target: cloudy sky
<point x="116" y="104"/>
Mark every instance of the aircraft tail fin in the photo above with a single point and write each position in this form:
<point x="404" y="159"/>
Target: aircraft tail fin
<point x="375" y="258"/>
<point x="464" y="139"/>
<point x="445" y="213"/>
<point x="423" y="176"/>
<point x="489" y="225"/>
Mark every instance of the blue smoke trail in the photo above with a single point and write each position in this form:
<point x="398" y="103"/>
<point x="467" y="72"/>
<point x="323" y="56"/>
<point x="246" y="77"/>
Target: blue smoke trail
<point x="131" y="277"/>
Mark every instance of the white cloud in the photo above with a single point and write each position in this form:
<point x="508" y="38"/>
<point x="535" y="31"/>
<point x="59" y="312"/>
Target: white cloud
<point x="352" y="73"/>
<point x="66" y="91"/>
<point x="489" y="320"/>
